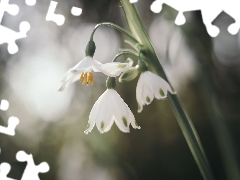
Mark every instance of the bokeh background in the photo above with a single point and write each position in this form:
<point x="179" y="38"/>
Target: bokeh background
<point x="204" y="71"/>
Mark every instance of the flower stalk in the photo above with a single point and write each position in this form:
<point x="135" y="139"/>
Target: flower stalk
<point x="128" y="34"/>
<point x="124" y="53"/>
<point x="152" y="62"/>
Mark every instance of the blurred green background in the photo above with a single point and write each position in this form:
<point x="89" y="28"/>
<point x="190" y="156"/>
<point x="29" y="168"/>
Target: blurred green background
<point x="204" y="71"/>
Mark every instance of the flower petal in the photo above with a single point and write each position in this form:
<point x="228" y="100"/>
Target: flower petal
<point x="121" y="112"/>
<point x="132" y="120"/>
<point x="112" y="69"/>
<point x="70" y="77"/>
<point x="158" y="85"/>
<point x="84" y="65"/>
<point x="139" y="93"/>
<point x="109" y="125"/>
<point x="105" y="114"/>
<point x="104" y="120"/>
<point x="73" y="74"/>
<point x="147" y="93"/>
<point x="95" y="112"/>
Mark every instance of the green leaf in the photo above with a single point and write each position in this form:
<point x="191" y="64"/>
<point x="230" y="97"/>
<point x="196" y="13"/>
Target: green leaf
<point x="185" y="123"/>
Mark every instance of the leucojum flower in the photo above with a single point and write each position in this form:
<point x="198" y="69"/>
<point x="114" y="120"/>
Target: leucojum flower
<point x="82" y="71"/>
<point x="110" y="108"/>
<point x="149" y="85"/>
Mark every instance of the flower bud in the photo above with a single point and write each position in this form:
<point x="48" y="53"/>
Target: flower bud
<point x="128" y="75"/>
<point x="111" y="82"/>
<point x="90" y="49"/>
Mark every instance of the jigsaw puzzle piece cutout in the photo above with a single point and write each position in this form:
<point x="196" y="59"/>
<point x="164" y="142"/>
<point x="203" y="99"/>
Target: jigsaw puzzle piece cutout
<point x="51" y="16"/>
<point x="208" y="15"/>
<point x="156" y="6"/>
<point x="30" y="2"/>
<point x="180" y="6"/>
<point x="133" y="1"/>
<point x="12" y="9"/>
<point x="31" y="171"/>
<point x="9" y="36"/>
<point x="12" y="124"/>
<point x="180" y="19"/>
<point x="4" y="105"/>
<point x="210" y="10"/>
<point x="76" y="11"/>
<point x="235" y="14"/>
<point x="4" y="170"/>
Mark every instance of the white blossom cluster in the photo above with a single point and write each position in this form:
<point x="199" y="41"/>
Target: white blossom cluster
<point x="110" y="107"/>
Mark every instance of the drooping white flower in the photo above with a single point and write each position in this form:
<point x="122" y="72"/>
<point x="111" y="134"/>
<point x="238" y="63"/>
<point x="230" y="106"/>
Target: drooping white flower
<point x="83" y="71"/>
<point x="149" y="86"/>
<point x="110" y="108"/>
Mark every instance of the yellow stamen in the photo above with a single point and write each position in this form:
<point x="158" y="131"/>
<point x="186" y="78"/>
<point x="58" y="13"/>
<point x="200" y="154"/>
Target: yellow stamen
<point x="81" y="77"/>
<point x="85" y="78"/>
<point x="90" y="78"/>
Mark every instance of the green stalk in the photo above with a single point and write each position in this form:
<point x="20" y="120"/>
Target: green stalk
<point x="115" y="27"/>
<point x="189" y="132"/>
<point x="124" y="53"/>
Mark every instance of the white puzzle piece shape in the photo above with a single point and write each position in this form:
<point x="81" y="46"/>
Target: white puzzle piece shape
<point x="210" y="10"/>
<point x="30" y="2"/>
<point x="4" y="170"/>
<point x="7" y="35"/>
<point x="12" y="124"/>
<point x="4" y="105"/>
<point x="133" y="1"/>
<point x="31" y="171"/>
<point x="75" y="11"/>
<point x="12" y="9"/>
<point x="51" y="16"/>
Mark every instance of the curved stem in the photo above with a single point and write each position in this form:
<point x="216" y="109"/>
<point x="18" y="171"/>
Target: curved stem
<point x="128" y="34"/>
<point x="185" y="123"/>
<point x="124" y="53"/>
<point x="134" y="46"/>
<point x="129" y="50"/>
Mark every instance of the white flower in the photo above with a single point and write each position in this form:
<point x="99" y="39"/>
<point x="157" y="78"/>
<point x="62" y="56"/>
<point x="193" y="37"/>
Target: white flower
<point x="150" y="85"/>
<point x="108" y="108"/>
<point x="83" y="71"/>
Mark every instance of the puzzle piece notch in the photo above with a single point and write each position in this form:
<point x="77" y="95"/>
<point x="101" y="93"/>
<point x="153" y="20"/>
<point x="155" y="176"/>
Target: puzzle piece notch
<point x="12" y="9"/>
<point x="133" y="1"/>
<point x="12" y="124"/>
<point x="4" y="105"/>
<point x="180" y="19"/>
<point x="76" y="11"/>
<point x="30" y="2"/>
<point x="51" y="16"/>
<point x="9" y="36"/>
<point x="156" y="6"/>
<point x="4" y="170"/>
<point x="210" y="11"/>
<point x="31" y="171"/>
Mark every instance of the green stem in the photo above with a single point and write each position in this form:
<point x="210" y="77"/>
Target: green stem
<point x="115" y="27"/>
<point x="124" y="53"/>
<point x="137" y="46"/>
<point x="153" y="63"/>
